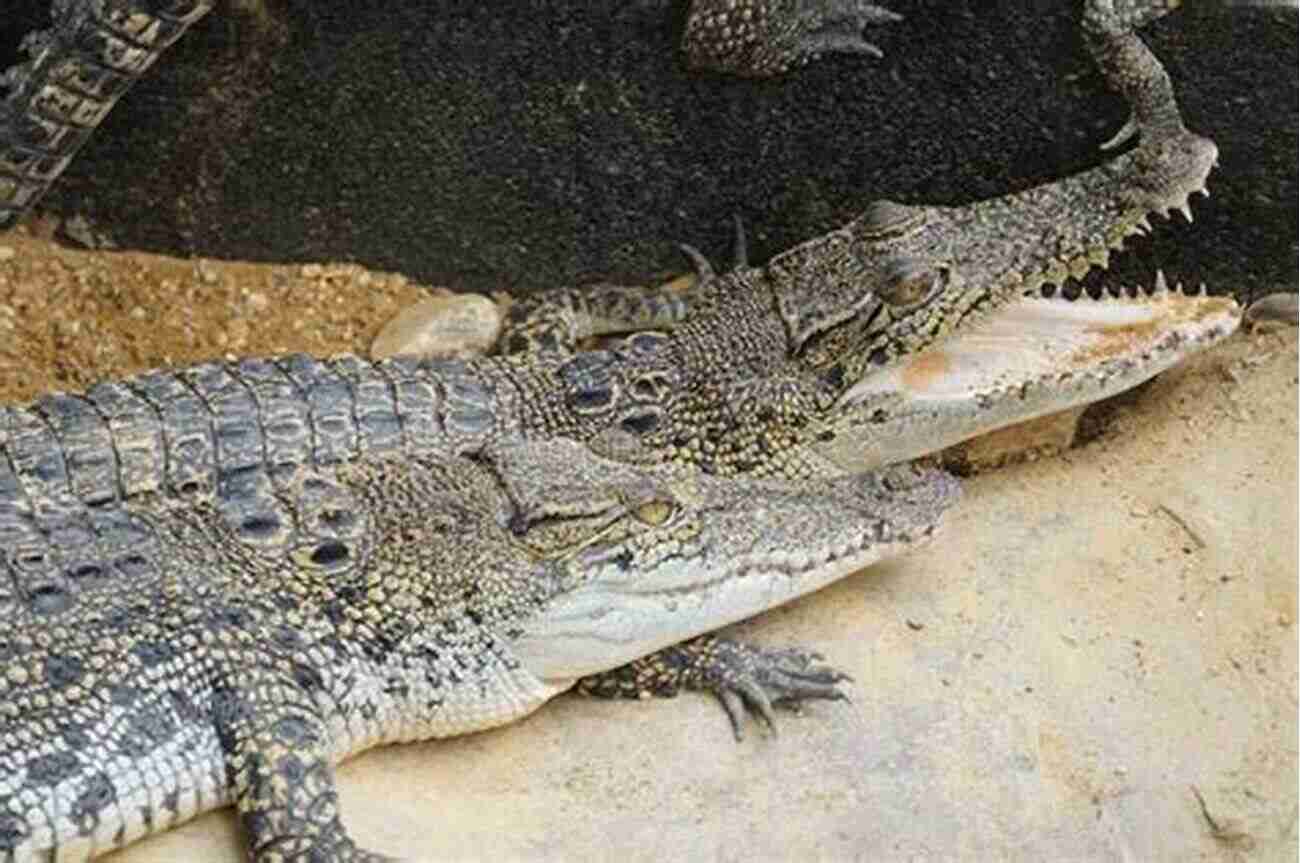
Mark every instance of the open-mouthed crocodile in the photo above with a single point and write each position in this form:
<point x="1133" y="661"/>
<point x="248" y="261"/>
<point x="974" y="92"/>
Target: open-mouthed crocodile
<point x="179" y="664"/>
<point x="95" y="50"/>
<point x="781" y="370"/>
<point x="914" y="327"/>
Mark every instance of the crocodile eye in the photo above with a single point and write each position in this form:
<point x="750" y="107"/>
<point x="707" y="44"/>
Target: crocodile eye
<point x="908" y="283"/>
<point x="655" y="512"/>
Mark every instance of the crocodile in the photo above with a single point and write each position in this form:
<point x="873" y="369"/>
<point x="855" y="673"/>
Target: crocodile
<point x="770" y="370"/>
<point x="180" y="665"/>
<point x="912" y="327"/>
<point x="96" y="50"/>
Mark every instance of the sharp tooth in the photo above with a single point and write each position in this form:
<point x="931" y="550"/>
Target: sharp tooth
<point x="1186" y="211"/>
<point x="1146" y="224"/>
<point x="1162" y="286"/>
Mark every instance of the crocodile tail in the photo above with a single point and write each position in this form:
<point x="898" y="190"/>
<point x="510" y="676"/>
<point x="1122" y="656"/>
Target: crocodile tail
<point x="79" y="68"/>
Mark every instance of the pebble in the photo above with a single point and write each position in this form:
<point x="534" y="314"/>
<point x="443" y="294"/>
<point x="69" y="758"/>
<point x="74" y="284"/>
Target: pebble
<point x="456" y="325"/>
<point x="312" y="271"/>
<point x="1281" y="308"/>
<point x="7" y="253"/>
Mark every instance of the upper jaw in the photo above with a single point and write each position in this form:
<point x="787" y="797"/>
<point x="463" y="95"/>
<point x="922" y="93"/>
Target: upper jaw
<point x="1030" y="358"/>
<point x="758" y="544"/>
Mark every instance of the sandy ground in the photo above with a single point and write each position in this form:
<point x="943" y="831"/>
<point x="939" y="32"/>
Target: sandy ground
<point x="1097" y="643"/>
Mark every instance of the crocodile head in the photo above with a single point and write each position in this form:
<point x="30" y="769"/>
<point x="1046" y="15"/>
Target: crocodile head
<point x="1031" y="358"/>
<point x="962" y="327"/>
<point x="903" y="278"/>
<point x="714" y="551"/>
<point x="938" y="323"/>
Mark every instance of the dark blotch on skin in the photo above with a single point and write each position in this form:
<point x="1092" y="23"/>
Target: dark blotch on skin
<point x="85" y="571"/>
<point x="132" y="565"/>
<point x="63" y="671"/>
<point x="260" y="526"/>
<point x="100" y="793"/>
<point x="641" y="423"/>
<point x="50" y="599"/>
<point x="834" y="377"/>
<point x="12" y="831"/>
<point x="330" y="553"/>
<point x="153" y="652"/>
<point x="51" y="768"/>
<point x="294" y="731"/>
<point x="147" y="729"/>
<point x="591" y="398"/>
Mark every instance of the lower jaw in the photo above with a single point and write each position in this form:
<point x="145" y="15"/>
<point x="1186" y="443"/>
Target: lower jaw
<point x="1034" y="357"/>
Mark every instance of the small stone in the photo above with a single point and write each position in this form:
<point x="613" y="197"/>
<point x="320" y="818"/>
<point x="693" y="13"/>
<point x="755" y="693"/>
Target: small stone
<point x="456" y="325"/>
<point x="258" y="302"/>
<point x="312" y="271"/>
<point x="1281" y="308"/>
<point x="7" y="253"/>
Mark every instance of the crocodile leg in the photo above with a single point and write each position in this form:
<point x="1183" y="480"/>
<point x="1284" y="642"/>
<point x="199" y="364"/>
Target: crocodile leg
<point x="281" y="776"/>
<point x="1130" y="67"/>
<point x="743" y="676"/>
<point x="78" y="69"/>
<point x="760" y="38"/>
<point x="558" y="320"/>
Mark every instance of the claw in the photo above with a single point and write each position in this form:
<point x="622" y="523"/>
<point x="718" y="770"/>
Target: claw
<point x="703" y="268"/>
<point x="758" y="701"/>
<point x="1127" y="131"/>
<point x="741" y="247"/>
<point x="735" y="712"/>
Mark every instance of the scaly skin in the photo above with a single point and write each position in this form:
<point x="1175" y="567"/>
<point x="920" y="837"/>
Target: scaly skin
<point x="766" y="371"/>
<point x="767" y="375"/>
<point x="188" y="666"/>
<point x="78" y="70"/>
<point x="759" y="38"/>
<point x="774" y="361"/>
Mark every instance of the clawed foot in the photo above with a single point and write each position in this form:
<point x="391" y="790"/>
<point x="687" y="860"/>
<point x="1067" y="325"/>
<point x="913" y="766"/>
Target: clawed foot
<point x="745" y="678"/>
<point x="759" y="38"/>
<point x="757" y="679"/>
<point x="1129" y="66"/>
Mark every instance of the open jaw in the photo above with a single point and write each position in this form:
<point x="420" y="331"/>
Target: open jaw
<point x="1030" y="358"/>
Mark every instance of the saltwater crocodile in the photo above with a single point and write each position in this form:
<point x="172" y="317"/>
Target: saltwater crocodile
<point x="911" y="327"/>
<point x="773" y="369"/>
<point x="96" y="50"/>
<point x="183" y="666"/>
